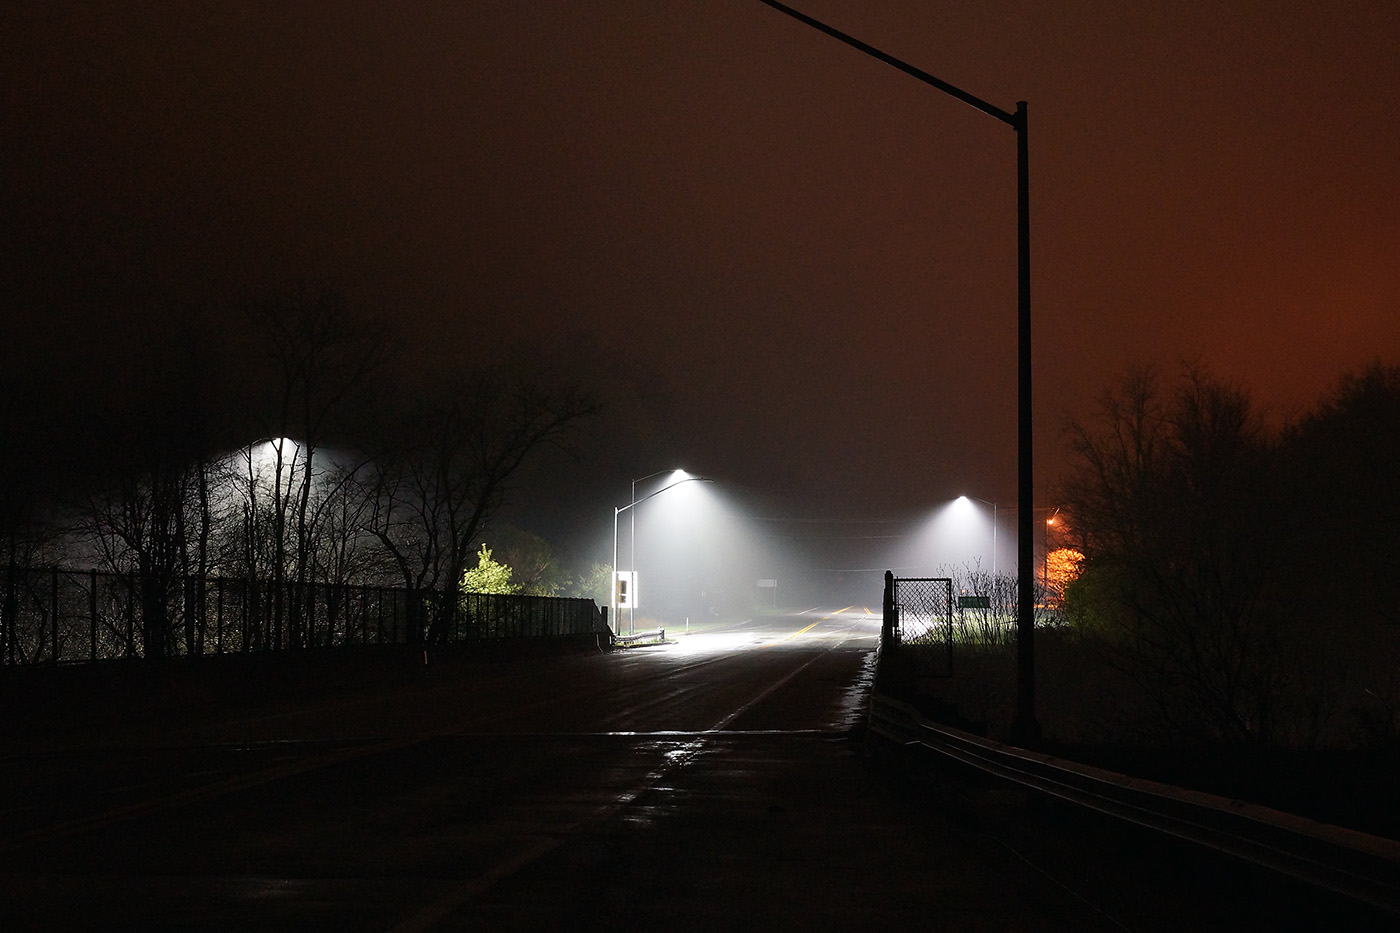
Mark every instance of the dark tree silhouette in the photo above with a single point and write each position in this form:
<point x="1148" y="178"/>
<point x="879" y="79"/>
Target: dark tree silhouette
<point x="448" y="468"/>
<point x="149" y="510"/>
<point x="322" y="357"/>
<point x="1341" y="463"/>
<point x="533" y="564"/>
<point x="1172" y="503"/>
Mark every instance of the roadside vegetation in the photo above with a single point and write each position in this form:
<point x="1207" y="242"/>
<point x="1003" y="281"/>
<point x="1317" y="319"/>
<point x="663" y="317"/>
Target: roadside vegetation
<point x="1236" y="607"/>
<point x="1244" y="580"/>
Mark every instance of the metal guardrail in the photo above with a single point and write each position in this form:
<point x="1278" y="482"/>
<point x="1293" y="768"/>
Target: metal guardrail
<point x="654" y="636"/>
<point x="1351" y="863"/>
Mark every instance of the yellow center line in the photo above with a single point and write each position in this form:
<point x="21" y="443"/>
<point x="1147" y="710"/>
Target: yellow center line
<point x="808" y="628"/>
<point x="795" y="634"/>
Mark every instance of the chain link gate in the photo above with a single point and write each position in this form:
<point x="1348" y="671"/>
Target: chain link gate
<point x="918" y="621"/>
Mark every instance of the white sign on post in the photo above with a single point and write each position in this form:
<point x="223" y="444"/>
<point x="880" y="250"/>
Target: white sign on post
<point x="625" y="588"/>
<point x="770" y="585"/>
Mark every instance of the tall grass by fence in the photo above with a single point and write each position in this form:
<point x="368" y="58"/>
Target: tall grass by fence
<point x="57" y="616"/>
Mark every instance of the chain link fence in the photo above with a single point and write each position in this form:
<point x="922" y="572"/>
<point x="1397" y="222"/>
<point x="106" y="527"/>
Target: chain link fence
<point x="918" y="622"/>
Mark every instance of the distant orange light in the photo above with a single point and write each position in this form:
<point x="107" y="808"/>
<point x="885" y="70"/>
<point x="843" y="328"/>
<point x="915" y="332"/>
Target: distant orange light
<point x="1062" y="567"/>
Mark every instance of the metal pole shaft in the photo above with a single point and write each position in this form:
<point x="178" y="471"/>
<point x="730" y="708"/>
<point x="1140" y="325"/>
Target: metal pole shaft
<point x="612" y="584"/>
<point x="1025" y="726"/>
<point x="632" y="559"/>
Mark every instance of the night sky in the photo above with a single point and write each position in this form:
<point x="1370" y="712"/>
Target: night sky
<point x="790" y="266"/>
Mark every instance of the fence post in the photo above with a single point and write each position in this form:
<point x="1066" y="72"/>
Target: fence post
<point x="53" y="616"/>
<point x="129" y="651"/>
<point x="92" y="614"/>
<point x="887" y="610"/>
<point x="948" y="615"/>
<point x="9" y="625"/>
<point x="379" y="615"/>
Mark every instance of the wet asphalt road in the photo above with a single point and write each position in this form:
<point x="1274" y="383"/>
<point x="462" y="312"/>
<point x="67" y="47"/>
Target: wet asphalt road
<point x="707" y="784"/>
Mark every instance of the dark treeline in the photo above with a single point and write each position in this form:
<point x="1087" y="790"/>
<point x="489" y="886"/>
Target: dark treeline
<point x="274" y="439"/>
<point x="1245" y="578"/>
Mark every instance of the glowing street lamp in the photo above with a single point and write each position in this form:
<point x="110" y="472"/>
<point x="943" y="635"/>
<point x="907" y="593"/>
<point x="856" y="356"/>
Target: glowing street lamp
<point x="617" y="511"/>
<point x="994" y="528"/>
<point x="1025" y="726"/>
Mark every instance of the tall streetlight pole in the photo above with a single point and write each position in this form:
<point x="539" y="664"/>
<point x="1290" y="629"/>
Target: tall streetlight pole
<point x="994" y="530"/>
<point x="632" y="538"/>
<point x="1025" y="726"/>
<point x="617" y="511"/>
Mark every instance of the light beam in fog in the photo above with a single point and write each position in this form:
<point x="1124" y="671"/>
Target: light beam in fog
<point x="698" y="557"/>
<point x="630" y="507"/>
<point x="956" y="535"/>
